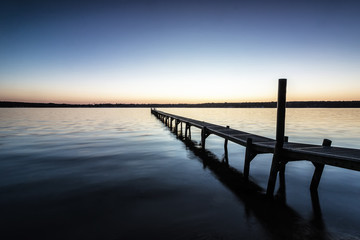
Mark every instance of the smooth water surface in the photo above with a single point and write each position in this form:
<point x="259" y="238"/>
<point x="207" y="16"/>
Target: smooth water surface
<point x="121" y="174"/>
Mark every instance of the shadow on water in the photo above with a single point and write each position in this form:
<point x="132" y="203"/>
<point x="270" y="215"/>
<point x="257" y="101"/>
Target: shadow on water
<point x="281" y="221"/>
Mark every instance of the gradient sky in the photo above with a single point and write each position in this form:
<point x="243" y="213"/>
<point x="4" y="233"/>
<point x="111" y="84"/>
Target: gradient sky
<point x="178" y="51"/>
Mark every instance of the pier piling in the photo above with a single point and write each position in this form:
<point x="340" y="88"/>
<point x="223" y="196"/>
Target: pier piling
<point x="249" y="156"/>
<point x="204" y="135"/>
<point x="280" y="133"/>
<point x="319" y="168"/>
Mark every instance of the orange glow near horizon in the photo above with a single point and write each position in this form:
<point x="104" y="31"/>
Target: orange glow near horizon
<point x="92" y="97"/>
<point x="148" y="84"/>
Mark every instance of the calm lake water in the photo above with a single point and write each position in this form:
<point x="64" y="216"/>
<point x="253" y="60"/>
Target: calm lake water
<point x="121" y="174"/>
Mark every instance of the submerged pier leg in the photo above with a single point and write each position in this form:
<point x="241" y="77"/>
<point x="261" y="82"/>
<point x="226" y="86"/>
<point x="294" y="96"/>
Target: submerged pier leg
<point x="189" y="136"/>
<point x="280" y="133"/>
<point x="249" y="156"/>
<point x="204" y="135"/>
<point x="282" y="172"/>
<point x="275" y="167"/>
<point x="176" y="126"/>
<point x="319" y="168"/>
<point x="187" y="131"/>
<point x="226" y="157"/>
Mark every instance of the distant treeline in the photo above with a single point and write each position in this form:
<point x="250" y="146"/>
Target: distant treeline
<point x="301" y="104"/>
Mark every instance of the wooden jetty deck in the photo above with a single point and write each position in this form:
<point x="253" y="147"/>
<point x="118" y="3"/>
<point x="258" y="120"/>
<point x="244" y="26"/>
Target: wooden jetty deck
<point x="282" y="150"/>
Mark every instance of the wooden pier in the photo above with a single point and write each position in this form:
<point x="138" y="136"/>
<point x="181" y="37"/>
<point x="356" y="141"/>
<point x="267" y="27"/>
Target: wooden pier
<point x="283" y="151"/>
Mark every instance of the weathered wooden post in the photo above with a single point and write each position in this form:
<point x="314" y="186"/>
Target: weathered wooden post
<point x="319" y="168"/>
<point x="280" y="132"/>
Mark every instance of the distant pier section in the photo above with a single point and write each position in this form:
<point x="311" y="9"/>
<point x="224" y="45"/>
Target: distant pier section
<point x="283" y="151"/>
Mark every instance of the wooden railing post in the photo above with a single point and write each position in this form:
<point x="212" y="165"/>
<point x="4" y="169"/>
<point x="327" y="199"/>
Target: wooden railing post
<point x="280" y="133"/>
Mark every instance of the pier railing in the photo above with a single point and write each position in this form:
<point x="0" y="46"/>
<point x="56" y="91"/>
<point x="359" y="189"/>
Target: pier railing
<point x="283" y="151"/>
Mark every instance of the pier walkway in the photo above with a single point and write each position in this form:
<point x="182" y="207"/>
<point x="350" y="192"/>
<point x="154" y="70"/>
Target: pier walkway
<point x="282" y="150"/>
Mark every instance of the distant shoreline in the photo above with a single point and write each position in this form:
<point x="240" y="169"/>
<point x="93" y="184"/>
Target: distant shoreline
<point x="293" y="104"/>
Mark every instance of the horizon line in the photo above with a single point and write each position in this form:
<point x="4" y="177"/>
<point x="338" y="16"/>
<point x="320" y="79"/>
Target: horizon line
<point x="341" y="103"/>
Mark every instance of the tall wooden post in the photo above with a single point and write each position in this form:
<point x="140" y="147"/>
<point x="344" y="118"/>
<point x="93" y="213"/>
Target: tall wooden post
<point x="280" y="132"/>
<point x="281" y="108"/>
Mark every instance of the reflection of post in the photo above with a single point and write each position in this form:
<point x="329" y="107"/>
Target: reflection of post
<point x="280" y="130"/>
<point x="317" y="219"/>
<point x="282" y="188"/>
<point x="226" y="157"/>
<point x="319" y="168"/>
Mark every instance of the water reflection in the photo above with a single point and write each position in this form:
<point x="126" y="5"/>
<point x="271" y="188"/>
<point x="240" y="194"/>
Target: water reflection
<point x="281" y="221"/>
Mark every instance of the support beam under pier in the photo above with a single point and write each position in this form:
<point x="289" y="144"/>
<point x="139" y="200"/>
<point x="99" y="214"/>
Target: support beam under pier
<point x="319" y="168"/>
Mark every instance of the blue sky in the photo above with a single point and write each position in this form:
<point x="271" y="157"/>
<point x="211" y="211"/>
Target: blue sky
<point x="178" y="51"/>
